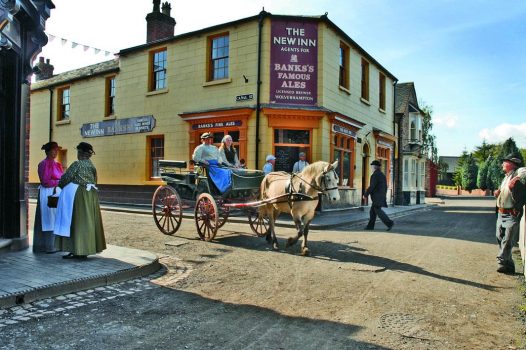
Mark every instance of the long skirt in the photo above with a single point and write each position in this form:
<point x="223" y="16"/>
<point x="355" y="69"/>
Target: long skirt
<point x="87" y="232"/>
<point x="43" y="241"/>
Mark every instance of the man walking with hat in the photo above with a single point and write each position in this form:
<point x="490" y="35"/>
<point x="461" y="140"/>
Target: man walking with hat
<point x="378" y="190"/>
<point x="510" y="202"/>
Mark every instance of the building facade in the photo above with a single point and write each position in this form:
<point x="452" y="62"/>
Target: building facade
<point x="412" y="162"/>
<point x="277" y="84"/>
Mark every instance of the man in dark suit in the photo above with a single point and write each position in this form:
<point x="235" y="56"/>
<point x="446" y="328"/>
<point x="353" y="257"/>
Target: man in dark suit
<point x="378" y="190"/>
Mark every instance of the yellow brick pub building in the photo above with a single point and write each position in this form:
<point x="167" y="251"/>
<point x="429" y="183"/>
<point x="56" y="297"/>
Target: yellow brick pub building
<point x="277" y="84"/>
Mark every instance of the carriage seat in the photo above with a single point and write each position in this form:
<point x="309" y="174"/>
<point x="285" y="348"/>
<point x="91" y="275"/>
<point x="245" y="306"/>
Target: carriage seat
<point x="179" y="164"/>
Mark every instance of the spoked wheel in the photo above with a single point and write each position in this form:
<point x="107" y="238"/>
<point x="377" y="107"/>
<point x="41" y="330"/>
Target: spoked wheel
<point x="259" y="224"/>
<point x="224" y="213"/>
<point x="166" y="209"/>
<point x="206" y="217"/>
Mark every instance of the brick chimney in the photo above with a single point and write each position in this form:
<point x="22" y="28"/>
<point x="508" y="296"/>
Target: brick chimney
<point x="43" y="70"/>
<point x="159" y="25"/>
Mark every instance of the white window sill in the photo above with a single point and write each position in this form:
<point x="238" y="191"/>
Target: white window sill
<point x="381" y="110"/>
<point x="63" y="122"/>
<point x="365" y="101"/>
<point x="110" y="117"/>
<point x="217" y="82"/>
<point x="157" y="92"/>
<point x="344" y="89"/>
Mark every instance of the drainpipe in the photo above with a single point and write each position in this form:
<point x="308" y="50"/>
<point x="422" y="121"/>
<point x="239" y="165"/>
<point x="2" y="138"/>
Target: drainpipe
<point x="50" y="114"/>
<point x="262" y="15"/>
<point x="398" y="163"/>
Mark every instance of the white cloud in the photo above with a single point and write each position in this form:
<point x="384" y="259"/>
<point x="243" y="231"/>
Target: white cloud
<point x="504" y="131"/>
<point x="446" y="120"/>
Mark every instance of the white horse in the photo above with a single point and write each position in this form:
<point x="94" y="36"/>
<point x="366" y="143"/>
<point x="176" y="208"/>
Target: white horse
<point x="315" y="178"/>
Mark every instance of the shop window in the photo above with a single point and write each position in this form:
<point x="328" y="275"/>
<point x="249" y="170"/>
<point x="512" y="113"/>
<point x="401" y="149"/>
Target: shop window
<point x="344" y="66"/>
<point x="365" y="80"/>
<point x="381" y="96"/>
<point x="287" y="146"/>
<point x="156" y="146"/>
<point x="383" y="154"/>
<point x="158" y="63"/>
<point x="343" y="152"/>
<point x="218" y="57"/>
<point x="110" y="96"/>
<point x="63" y="104"/>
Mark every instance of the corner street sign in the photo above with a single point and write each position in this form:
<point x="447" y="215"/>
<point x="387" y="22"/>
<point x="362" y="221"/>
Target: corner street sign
<point x="246" y="97"/>
<point x="133" y="125"/>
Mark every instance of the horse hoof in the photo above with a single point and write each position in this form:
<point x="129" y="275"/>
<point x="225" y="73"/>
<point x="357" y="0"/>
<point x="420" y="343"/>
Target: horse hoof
<point x="275" y="246"/>
<point x="305" y="252"/>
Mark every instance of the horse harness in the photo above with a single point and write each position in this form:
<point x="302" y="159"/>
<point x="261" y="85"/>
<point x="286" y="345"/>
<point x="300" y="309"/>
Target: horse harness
<point x="298" y="196"/>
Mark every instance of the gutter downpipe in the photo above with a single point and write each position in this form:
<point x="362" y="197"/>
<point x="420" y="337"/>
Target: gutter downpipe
<point x="398" y="163"/>
<point x="50" y="114"/>
<point x="262" y="15"/>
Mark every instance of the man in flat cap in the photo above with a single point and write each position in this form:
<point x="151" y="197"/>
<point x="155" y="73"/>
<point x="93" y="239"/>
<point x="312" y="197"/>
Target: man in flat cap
<point x="301" y="163"/>
<point x="378" y="190"/>
<point x="510" y="202"/>
<point x="206" y="151"/>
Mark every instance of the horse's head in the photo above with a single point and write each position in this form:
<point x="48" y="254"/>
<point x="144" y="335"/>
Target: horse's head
<point x="329" y="182"/>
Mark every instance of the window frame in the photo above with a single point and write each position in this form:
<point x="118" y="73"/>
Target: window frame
<point x="348" y="147"/>
<point x="302" y="147"/>
<point x="365" y="80"/>
<point x="109" y="100"/>
<point x="61" y="109"/>
<point x="383" y="154"/>
<point x="152" y="78"/>
<point x="151" y="157"/>
<point x="381" y="92"/>
<point x="210" y="59"/>
<point x="343" y="78"/>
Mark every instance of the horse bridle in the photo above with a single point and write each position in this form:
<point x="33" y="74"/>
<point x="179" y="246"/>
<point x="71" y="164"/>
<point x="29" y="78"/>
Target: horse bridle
<point x="324" y="187"/>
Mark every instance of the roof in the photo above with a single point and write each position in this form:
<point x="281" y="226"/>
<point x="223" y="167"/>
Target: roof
<point x="405" y="96"/>
<point x="452" y="163"/>
<point x="262" y="14"/>
<point x="81" y="73"/>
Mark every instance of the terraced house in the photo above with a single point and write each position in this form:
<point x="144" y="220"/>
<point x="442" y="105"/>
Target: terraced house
<point x="277" y="84"/>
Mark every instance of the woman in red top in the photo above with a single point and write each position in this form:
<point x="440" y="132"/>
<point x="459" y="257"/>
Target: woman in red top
<point x="49" y="172"/>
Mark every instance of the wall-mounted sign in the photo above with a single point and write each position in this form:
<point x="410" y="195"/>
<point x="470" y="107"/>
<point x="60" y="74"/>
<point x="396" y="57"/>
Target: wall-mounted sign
<point x="294" y="62"/>
<point x="245" y="97"/>
<point x="118" y="126"/>
<point x="342" y="130"/>
<point x="385" y="144"/>
<point x="216" y="125"/>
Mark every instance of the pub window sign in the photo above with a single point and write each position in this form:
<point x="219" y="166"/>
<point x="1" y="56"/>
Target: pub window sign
<point x="217" y="125"/>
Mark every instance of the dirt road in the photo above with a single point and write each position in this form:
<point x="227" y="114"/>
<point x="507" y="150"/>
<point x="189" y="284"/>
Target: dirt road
<point x="430" y="283"/>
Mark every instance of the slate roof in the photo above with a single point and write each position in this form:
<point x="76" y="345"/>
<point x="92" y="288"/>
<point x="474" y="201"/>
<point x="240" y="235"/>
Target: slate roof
<point x="405" y="94"/>
<point x="76" y="74"/>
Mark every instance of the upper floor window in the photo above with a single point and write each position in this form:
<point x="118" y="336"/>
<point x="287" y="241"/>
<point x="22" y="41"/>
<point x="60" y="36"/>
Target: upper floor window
<point x="381" y="84"/>
<point x="158" y="60"/>
<point x="344" y="66"/>
<point x="415" y="127"/>
<point x="218" y="61"/>
<point x="365" y="80"/>
<point x="110" y="96"/>
<point x="413" y="131"/>
<point x="63" y="103"/>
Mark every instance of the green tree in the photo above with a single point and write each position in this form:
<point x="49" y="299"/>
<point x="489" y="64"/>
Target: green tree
<point x="495" y="173"/>
<point x="483" y="151"/>
<point x="482" y="176"/>
<point x="429" y="148"/>
<point x="523" y="153"/>
<point x="457" y="176"/>
<point x="469" y="173"/>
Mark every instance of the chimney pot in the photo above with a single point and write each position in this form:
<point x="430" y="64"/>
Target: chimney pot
<point x="156" y="5"/>
<point x="41" y="59"/>
<point x="166" y="8"/>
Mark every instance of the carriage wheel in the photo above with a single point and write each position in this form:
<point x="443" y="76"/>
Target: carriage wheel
<point x="166" y="209"/>
<point x="259" y="224"/>
<point x="224" y="213"/>
<point x="206" y="217"/>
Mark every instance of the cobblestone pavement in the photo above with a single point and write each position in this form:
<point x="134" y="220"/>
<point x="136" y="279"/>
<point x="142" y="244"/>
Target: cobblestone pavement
<point x="173" y="272"/>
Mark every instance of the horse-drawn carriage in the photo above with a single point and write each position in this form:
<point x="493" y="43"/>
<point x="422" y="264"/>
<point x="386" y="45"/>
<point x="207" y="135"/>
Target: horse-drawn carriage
<point x="261" y="197"/>
<point x="212" y="208"/>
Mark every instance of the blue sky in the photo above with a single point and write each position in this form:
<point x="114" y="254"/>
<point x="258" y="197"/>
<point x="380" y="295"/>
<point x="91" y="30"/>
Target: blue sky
<point x="466" y="58"/>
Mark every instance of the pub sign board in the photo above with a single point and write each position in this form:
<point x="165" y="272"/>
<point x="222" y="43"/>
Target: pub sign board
<point x="213" y="125"/>
<point x="294" y="62"/>
<point x="133" y="125"/>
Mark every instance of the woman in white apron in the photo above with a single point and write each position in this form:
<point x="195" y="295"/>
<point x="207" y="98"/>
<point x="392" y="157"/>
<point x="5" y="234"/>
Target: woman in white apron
<point x="49" y="172"/>
<point x="78" y="225"/>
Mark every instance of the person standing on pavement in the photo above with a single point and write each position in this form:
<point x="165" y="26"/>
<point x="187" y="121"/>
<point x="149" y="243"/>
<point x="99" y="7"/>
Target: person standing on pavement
<point x="510" y="202"/>
<point x="269" y="165"/>
<point x="378" y="190"/>
<point x="49" y="173"/>
<point x="78" y="224"/>
<point x="300" y="164"/>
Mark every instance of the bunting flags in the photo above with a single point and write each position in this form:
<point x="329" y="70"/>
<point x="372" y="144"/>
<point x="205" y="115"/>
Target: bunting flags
<point x="73" y="45"/>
